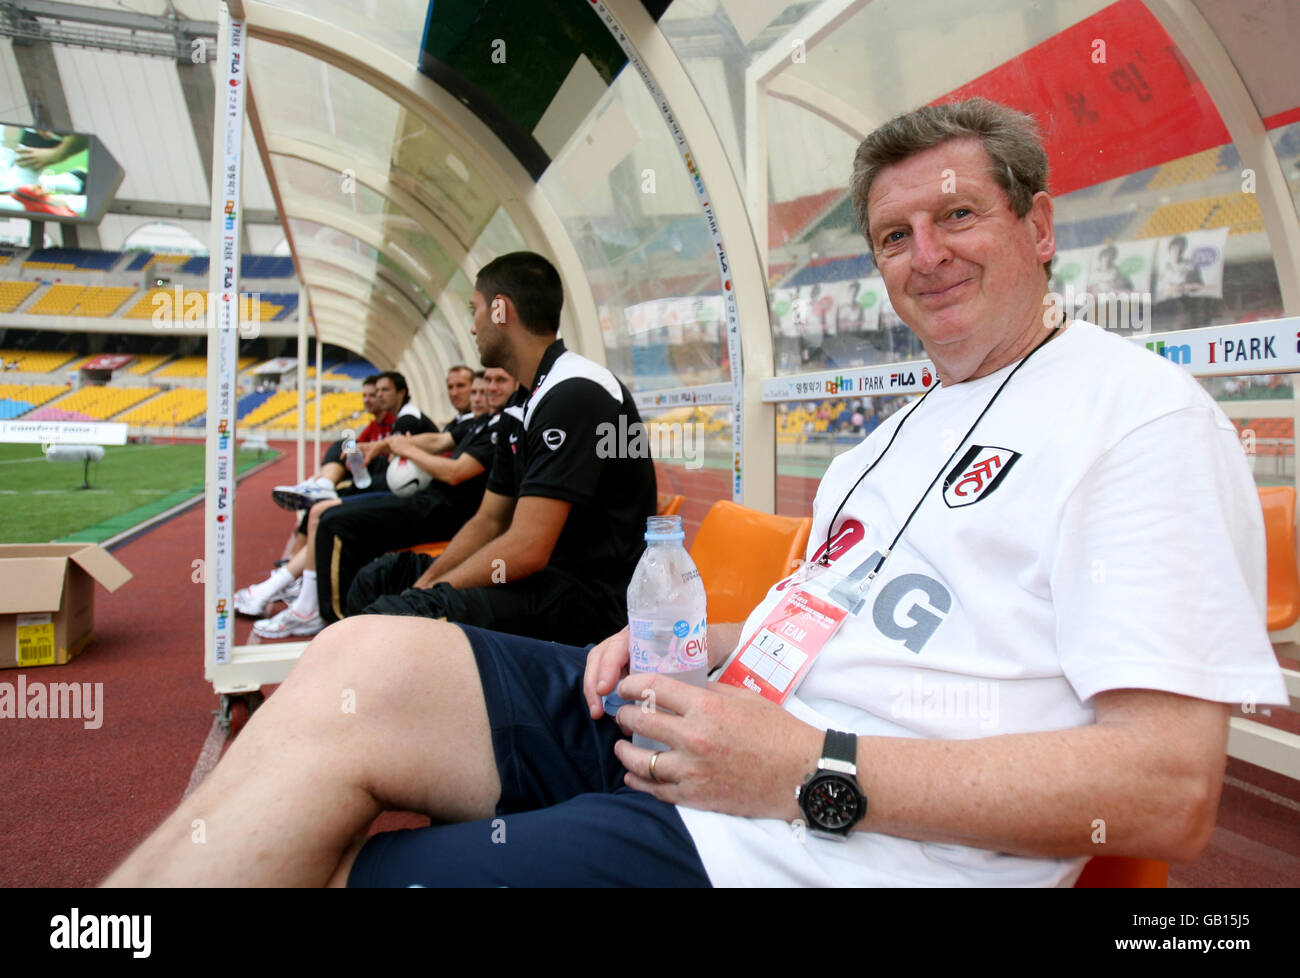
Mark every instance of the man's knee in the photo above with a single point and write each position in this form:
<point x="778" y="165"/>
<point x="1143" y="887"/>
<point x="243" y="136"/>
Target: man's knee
<point x="381" y="654"/>
<point x="318" y="511"/>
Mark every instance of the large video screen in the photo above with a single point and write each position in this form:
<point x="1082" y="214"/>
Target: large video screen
<point x="48" y="175"/>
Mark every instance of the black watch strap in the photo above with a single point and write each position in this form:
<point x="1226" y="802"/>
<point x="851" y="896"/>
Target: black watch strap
<point x="842" y="747"/>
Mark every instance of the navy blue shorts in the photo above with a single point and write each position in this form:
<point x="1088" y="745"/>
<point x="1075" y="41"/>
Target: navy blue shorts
<point x="565" y="818"/>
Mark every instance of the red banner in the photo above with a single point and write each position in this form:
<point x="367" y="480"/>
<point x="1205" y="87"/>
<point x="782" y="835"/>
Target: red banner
<point x="1113" y="95"/>
<point x="108" y="361"/>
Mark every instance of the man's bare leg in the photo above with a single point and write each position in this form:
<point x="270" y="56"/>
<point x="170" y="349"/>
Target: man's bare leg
<point x="334" y="471"/>
<point x="308" y="775"/>
<point x="313" y="521"/>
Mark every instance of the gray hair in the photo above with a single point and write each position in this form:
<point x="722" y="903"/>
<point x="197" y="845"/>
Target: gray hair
<point x="1017" y="161"/>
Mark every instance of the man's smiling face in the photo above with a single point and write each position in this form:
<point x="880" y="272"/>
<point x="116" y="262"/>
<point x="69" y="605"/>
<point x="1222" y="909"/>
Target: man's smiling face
<point x="962" y="270"/>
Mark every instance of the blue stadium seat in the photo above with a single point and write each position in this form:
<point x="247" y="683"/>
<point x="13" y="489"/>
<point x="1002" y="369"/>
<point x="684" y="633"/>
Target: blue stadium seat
<point x="1137" y="181"/>
<point x="81" y="258"/>
<point x="356" y="369"/>
<point x="1090" y="232"/>
<point x="833" y="270"/>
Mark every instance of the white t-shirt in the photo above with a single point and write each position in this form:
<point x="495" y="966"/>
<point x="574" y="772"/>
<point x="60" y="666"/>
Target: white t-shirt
<point x="1107" y="535"/>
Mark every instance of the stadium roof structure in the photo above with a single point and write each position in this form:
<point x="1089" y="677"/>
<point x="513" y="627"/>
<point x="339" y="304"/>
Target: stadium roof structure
<point x="397" y="145"/>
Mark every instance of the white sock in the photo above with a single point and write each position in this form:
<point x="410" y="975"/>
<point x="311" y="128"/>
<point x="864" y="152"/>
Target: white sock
<point x="322" y="481"/>
<point x="279" y="580"/>
<point x="305" y="606"/>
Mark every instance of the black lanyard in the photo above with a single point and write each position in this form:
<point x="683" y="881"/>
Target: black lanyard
<point x="870" y="573"/>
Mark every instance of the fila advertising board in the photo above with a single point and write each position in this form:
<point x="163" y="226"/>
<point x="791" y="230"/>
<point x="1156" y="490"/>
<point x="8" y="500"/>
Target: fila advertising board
<point x="1271" y="346"/>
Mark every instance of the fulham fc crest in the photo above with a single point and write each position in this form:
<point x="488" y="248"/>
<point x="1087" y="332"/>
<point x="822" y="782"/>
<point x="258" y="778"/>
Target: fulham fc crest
<point x="980" y="471"/>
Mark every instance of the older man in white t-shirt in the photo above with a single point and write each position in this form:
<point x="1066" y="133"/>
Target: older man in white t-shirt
<point x="1031" y="598"/>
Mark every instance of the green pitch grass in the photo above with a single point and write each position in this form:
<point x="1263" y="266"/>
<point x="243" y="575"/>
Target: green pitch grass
<point x="42" y="501"/>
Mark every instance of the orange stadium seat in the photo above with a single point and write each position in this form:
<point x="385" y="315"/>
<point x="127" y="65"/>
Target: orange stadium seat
<point x="1123" y="872"/>
<point x="670" y="505"/>
<point x="1278" y="503"/>
<point x="741" y="552"/>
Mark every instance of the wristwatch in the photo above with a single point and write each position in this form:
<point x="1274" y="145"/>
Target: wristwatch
<point x="830" y="798"/>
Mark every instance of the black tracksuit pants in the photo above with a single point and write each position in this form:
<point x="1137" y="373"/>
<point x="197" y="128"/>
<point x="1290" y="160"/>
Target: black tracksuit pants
<point x="369" y="525"/>
<point x="552" y="604"/>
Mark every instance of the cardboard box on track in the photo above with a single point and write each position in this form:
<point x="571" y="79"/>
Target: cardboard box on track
<point x="47" y="600"/>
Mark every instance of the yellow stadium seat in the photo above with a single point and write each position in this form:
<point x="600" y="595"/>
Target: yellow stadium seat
<point x="58" y="300"/>
<point x="146" y="362"/>
<point x="36" y="361"/>
<point x="164" y="305"/>
<point x="13" y="294"/>
<point x="335" y="409"/>
<point x="33" y="394"/>
<point x="103" y="402"/>
<point x="176" y="406"/>
<point x="185" y="367"/>
<point x="277" y="404"/>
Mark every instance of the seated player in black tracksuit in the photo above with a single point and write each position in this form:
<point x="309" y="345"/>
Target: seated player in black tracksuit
<point x="349" y="537"/>
<point x="255" y="601"/>
<point x="562" y="524"/>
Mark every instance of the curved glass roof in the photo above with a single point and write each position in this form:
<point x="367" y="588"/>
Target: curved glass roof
<point x="407" y="142"/>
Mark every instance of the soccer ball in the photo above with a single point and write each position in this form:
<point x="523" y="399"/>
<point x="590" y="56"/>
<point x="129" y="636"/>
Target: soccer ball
<point x="405" y="478"/>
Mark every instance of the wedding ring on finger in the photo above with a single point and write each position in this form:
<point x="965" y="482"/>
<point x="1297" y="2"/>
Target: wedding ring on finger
<point x="653" y="758"/>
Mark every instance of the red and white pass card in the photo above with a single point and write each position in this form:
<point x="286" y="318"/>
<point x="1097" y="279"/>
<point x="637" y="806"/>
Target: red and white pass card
<point x="778" y="656"/>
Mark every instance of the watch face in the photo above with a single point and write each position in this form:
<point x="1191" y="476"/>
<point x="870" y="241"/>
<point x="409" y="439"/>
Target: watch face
<point x="832" y="802"/>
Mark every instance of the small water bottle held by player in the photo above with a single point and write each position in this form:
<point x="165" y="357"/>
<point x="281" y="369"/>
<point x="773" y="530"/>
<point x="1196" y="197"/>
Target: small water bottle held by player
<point x="667" y="620"/>
<point x="356" y="463"/>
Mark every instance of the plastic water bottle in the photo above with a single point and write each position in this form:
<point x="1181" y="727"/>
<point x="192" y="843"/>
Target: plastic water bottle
<point x="356" y="464"/>
<point x="667" y="620"/>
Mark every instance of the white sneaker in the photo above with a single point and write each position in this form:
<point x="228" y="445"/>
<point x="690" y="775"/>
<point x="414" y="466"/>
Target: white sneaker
<point x="302" y="496"/>
<point x="287" y="624"/>
<point x="246" y="604"/>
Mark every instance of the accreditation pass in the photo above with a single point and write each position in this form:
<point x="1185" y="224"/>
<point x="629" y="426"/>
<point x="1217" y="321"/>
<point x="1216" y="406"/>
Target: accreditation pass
<point x="777" y="657"/>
